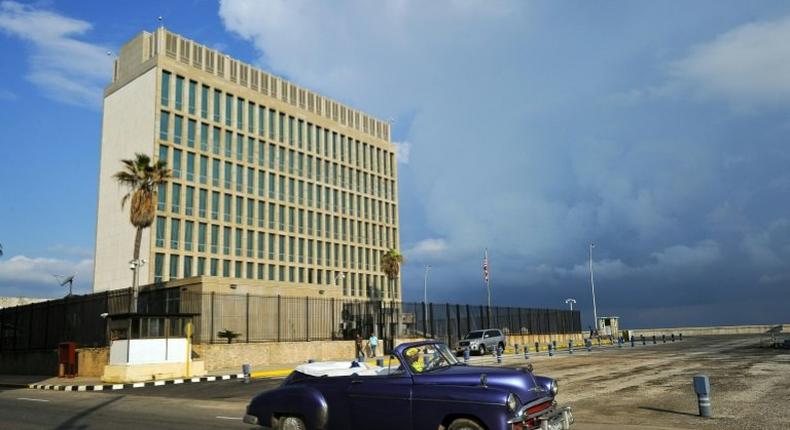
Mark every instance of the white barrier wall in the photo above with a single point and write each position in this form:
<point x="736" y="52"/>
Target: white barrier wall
<point x="146" y="351"/>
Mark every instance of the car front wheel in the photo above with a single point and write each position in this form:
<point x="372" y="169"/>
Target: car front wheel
<point x="464" y="424"/>
<point x="291" y="423"/>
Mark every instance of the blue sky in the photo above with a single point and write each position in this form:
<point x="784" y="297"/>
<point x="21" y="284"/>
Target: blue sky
<point x="658" y="130"/>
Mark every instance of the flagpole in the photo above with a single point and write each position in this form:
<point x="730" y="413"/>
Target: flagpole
<point x="488" y="281"/>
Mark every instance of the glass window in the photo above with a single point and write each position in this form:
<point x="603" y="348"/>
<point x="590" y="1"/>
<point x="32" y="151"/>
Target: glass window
<point x="250" y="116"/>
<point x="203" y="169"/>
<point x="204" y="103"/>
<point x="201" y="238"/>
<point x="291" y="134"/>
<point x="189" y="200"/>
<point x="281" y="128"/>
<point x="227" y="206"/>
<point x="178" y="126"/>
<point x="214" y="205"/>
<point x="250" y="150"/>
<point x="160" y="231"/>
<point x="237" y="243"/>
<point x="192" y="90"/>
<point x="164" y="123"/>
<point x="161" y="197"/>
<point x="239" y="177"/>
<point x="165" y="88"/>
<point x="226" y="241"/>
<point x="214" y="238"/>
<point x="239" y="209"/>
<point x="272" y="114"/>
<point x="176" y="163"/>
<point x="188" y="230"/>
<point x="173" y="266"/>
<point x="215" y="140"/>
<point x="228" y="109"/>
<point x="176" y="198"/>
<point x="203" y="137"/>
<point x="228" y="174"/>
<point x="190" y="166"/>
<point x="261" y="120"/>
<point x="163" y="153"/>
<point x="191" y="125"/>
<point x="179" y="91"/>
<point x="187" y="266"/>
<point x="213" y="266"/>
<point x="217" y="108"/>
<point x="201" y="266"/>
<point x="175" y="226"/>
<point x="239" y="147"/>
<point x="159" y="263"/>
<point x="228" y="143"/>
<point x="240" y="113"/>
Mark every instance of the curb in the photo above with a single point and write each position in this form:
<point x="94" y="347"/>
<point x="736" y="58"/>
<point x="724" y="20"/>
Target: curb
<point x="107" y="387"/>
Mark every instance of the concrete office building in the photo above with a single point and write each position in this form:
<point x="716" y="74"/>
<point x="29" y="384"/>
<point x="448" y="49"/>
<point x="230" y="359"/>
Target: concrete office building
<point x="276" y="188"/>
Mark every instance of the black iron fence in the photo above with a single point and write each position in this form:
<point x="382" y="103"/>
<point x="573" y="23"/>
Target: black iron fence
<point x="255" y="318"/>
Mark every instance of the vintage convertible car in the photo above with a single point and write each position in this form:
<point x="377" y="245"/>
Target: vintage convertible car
<point x="422" y="386"/>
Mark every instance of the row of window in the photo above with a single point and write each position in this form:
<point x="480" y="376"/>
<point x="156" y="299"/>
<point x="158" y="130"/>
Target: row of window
<point x="201" y="168"/>
<point x="353" y="284"/>
<point x="262" y="214"/>
<point x="252" y="118"/>
<point x="299" y="249"/>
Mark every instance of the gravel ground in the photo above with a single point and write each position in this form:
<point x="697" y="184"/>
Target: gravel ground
<point x="651" y="387"/>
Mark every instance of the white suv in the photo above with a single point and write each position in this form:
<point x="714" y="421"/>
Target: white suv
<point x="482" y="341"/>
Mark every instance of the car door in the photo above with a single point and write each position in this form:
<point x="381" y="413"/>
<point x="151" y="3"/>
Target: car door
<point x="380" y="402"/>
<point x="487" y="340"/>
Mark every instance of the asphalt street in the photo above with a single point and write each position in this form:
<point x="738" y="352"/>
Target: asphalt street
<point x="640" y="388"/>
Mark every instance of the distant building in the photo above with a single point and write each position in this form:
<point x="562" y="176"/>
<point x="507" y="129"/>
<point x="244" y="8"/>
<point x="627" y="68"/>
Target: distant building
<point x="8" y="302"/>
<point x="274" y="186"/>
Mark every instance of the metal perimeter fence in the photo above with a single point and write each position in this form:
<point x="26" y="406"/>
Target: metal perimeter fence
<point x="256" y="318"/>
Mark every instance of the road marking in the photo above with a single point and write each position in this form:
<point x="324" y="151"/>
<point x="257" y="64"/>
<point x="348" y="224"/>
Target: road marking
<point x="228" y="418"/>
<point x="31" y="400"/>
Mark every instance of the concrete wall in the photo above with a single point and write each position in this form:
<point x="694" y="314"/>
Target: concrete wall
<point x="528" y="339"/>
<point x="224" y="356"/>
<point x="711" y="331"/>
<point x="128" y="127"/>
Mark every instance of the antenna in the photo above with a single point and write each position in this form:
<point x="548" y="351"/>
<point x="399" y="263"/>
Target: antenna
<point x="63" y="280"/>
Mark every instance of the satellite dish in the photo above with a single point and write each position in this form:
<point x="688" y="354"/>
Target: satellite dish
<point x="63" y="280"/>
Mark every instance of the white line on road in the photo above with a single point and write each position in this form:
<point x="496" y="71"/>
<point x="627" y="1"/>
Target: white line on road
<point x="31" y="400"/>
<point x="228" y="418"/>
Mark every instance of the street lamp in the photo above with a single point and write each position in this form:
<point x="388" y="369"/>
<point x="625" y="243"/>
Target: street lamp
<point x="134" y="266"/>
<point x="425" y="291"/>
<point x="592" y="286"/>
<point x="571" y="302"/>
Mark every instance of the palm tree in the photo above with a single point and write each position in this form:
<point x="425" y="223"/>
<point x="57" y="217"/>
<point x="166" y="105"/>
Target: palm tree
<point x="390" y="265"/>
<point x="142" y="179"/>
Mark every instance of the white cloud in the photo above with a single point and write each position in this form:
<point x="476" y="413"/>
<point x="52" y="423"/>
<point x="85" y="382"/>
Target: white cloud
<point x="747" y="65"/>
<point x="37" y="272"/>
<point x="66" y="69"/>
<point x="402" y="151"/>
<point x="427" y="249"/>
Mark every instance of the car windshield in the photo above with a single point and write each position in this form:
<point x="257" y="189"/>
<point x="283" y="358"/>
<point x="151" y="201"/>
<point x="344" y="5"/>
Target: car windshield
<point x="474" y="335"/>
<point x="425" y="358"/>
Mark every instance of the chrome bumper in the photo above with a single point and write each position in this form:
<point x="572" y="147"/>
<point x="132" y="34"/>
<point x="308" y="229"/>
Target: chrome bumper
<point x="250" y="419"/>
<point x="553" y="418"/>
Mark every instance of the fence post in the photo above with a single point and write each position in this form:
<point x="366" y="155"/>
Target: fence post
<point x="16" y="325"/>
<point x="248" y="317"/>
<point x="433" y="328"/>
<point x="332" y="328"/>
<point x="458" y="320"/>
<point x="482" y="318"/>
<point x="279" y="314"/>
<point x="30" y="327"/>
<point x="307" y="318"/>
<point x="425" y="319"/>
<point x="468" y="320"/>
<point x="447" y="314"/>
<point x="2" y="327"/>
<point x="520" y="325"/>
<point x="211" y="326"/>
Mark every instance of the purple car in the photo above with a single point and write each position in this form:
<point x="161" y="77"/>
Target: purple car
<point x="422" y="387"/>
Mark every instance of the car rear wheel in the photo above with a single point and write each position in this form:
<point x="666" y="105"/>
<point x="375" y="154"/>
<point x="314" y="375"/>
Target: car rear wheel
<point x="464" y="424"/>
<point x="291" y="423"/>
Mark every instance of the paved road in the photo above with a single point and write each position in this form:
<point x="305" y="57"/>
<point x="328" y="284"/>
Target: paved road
<point x="642" y="388"/>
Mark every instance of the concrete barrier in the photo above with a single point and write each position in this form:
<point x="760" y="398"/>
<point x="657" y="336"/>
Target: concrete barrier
<point x="711" y="331"/>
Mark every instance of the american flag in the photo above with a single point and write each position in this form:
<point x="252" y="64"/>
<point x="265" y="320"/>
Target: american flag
<point x="485" y="266"/>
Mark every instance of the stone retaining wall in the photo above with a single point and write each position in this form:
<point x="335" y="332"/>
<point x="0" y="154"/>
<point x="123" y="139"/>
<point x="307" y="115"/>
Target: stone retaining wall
<point x="711" y="331"/>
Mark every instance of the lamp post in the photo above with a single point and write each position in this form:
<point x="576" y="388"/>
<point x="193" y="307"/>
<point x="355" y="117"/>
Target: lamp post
<point x="592" y="286"/>
<point x="134" y="266"/>
<point x="570" y="301"/>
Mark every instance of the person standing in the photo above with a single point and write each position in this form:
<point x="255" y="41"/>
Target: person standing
<point x="358" y="343"/>
<point x="373" y="342"/>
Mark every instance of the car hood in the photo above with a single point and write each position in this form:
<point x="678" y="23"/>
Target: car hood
<point x="522" y="383"/>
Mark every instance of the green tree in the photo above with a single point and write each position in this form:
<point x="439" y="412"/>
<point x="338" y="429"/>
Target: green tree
<point x="390" y="265"/>
<point x="142" y="179"/>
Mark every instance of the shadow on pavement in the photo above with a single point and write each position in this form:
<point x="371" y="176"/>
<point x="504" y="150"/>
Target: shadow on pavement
<point x="69" y="423"/>
<point x="668" y="411"/>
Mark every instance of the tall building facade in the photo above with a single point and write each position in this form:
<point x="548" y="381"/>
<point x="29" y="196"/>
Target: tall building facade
<point x="274" y="186"/>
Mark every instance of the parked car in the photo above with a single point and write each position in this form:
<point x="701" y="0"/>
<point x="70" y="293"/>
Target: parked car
<point x="482" y="341"/>
<point x="422" y="386"/>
